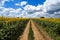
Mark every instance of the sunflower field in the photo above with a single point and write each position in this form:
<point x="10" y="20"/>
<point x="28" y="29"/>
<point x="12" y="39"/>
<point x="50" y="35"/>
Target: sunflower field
<point x="12" y="28"/>
<point x="50" y="25"/>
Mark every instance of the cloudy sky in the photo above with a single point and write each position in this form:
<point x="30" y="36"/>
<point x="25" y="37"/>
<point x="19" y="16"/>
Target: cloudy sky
<point x="30" y="8"/>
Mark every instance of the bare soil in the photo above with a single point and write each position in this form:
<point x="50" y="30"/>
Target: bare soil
<point x="25" y="33"/>
<point x="38" y="33"/>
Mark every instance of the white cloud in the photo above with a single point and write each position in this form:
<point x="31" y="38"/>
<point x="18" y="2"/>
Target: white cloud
<point x="29" y="8"/>
<point x="50" y="8"/>
<point x="18" y="10"/>
<point x="2" y="2"/>
<point x="17" y="4"/>
<point x="23" y="3"/>
<point x="52" y="5"/>
<point x="10" y="12"/>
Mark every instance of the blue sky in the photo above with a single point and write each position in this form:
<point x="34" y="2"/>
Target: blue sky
<point x="30" y="8"/>
<point x="31" y="2"/>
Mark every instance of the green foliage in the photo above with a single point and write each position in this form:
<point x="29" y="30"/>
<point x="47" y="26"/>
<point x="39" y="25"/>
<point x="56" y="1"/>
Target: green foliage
<point x="12" y="30"/>
<point x="52" y="28"/>
<point x="31" y="35"/>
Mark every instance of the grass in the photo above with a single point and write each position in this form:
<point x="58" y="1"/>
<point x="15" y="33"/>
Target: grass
<point x="30" y="35"/>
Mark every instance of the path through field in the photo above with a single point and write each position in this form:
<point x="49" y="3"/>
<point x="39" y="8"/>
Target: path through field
<point x="38" y="35"/>
<point x="25" y="33"/>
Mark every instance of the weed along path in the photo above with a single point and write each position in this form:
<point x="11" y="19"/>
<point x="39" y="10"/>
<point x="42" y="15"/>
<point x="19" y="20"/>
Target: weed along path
<point x="31" y="32"/>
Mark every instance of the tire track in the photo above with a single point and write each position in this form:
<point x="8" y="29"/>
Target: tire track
<point x="39" y="34"/>
<point x="25" y="33"/>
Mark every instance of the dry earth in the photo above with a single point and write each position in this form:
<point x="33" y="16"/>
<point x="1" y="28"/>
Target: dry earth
<point x="38" y="35"/>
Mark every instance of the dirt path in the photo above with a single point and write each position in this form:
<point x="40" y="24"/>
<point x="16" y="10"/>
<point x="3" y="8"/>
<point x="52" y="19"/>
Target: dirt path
<point x="38" y="34"/>
<point x="25" y="33"/>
